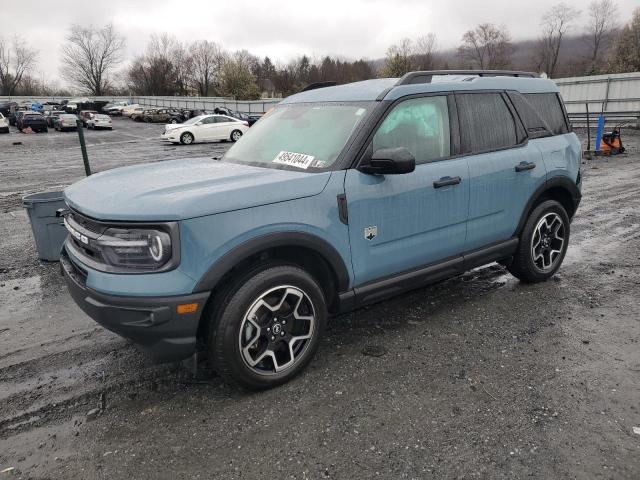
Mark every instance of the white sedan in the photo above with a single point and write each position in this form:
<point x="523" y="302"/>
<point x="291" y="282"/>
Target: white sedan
<point x="98" y="120"/>
<point x="205" y="128"/>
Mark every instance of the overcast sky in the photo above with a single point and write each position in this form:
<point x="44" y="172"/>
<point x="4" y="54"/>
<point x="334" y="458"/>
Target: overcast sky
<point x="282" y="29"/>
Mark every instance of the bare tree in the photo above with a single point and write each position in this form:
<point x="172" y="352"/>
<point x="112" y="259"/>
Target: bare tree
<point x="399" y="59"/>
<point x="207" y="61"/>
<point x="236" y="77"/>
<point x="425" y="51"/>
<point x="89" y="56"/>
<point x="555" y="23"/>
<point x="16" y="59"/>
<point x="626" y="57"/>
<point x="600" y="30"/>
<point x="487" y="47"/>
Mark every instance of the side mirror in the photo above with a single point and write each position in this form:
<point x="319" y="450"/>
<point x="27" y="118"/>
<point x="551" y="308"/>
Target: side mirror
<point x="390" y="161"/>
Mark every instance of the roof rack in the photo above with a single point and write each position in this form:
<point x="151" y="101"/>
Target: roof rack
<point x="426" y="76"/>
<point x="313" y="86"/>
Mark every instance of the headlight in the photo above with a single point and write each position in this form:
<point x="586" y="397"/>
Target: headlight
<point x="145" y="249"/>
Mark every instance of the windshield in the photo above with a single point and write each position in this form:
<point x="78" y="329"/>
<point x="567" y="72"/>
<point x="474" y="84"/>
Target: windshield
<point x="303" y="136"/>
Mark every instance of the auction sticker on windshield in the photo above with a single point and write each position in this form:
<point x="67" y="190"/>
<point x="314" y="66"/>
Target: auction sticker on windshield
<point x="293" y="159"/>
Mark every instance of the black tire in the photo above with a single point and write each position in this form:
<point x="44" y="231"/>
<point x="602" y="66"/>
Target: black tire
<point x="231" y="315"/>
<point x="173" y="121"/>
<point x="525" y="266"/>
<point x="235" y="135"/>
<point x="186" y="138"/>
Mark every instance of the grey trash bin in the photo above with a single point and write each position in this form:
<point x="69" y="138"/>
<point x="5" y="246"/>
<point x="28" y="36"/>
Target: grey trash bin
<point x="48" y="230"/>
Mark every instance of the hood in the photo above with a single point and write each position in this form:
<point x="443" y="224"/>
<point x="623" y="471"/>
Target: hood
<point x="181" y="189"/>
<point x="172" y="126"/>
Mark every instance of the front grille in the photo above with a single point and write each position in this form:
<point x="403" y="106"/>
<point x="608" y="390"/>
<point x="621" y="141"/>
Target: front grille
<point x="89" y="229"/>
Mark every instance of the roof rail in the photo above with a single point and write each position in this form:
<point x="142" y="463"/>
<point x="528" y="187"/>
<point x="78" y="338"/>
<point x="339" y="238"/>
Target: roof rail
<point x="426" y="76"/>
<point x="313" y="86"/>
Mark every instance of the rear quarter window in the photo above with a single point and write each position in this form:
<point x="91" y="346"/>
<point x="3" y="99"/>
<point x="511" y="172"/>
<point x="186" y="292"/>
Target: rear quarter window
<point x="549" y="108"/>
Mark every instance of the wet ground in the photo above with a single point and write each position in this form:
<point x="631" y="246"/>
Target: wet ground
<point x="475" y="377"/>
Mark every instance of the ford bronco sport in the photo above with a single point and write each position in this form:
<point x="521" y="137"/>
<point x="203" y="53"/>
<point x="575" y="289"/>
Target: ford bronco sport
<point x="338" y="197"/>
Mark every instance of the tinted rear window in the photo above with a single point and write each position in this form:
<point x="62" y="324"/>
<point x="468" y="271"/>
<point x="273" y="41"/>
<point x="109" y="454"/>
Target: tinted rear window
<point x="548" y="107"/>
<point x="535" y="125"/>
<point x="486" y="122"/>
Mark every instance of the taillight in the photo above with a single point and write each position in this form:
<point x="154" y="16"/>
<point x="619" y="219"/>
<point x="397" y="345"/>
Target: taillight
<point x="245" y="123"/>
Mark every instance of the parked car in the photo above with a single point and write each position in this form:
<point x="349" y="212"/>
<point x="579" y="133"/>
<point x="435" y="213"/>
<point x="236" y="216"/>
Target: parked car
<point x="161" y="115"/>
<point x="98" y="121"/>
<point x="139" y="116"/>
<point x="338" y="197"/>
<point x="4" y="124"/>
<point x="7" y="108"/>
<point x="115" y="108"/>
<point x="84" y="115"/>
<point x="65" y="122"/>
<point x="130" y="109"/>
<point x="239" y="115"/>
<point x="177" y="116"/>
<point x="31" y="119"/>
<point x="205" y="128"/>
<point x="51" y="115"/>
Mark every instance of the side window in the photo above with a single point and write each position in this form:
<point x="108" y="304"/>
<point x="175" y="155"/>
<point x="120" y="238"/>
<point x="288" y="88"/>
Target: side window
<point x="222" y="119"/>
<point x="547" y="105"/>
<point x="209" y="120"/>
<point x="486" y="122"/>
<point x="535" y="125"/>
<point x="421" y="125"/>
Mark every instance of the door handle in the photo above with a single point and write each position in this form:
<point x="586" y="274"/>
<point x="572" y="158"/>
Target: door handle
<point x="523" y="166"/>
<point x="446" y="181"/>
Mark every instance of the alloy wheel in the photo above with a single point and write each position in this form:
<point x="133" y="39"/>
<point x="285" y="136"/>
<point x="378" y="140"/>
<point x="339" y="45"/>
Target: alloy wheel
<point x="235" y="136"/>
<point x="277" y="330"/>
<point x="547" y="241"/>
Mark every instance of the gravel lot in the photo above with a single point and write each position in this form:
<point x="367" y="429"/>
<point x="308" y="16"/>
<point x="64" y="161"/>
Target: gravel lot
<point x="478" y="376"/>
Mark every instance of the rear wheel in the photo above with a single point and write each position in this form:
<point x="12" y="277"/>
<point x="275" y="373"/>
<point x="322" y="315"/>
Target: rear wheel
<point x="543" y="243"/>
<point x="236" y="135"/>
<point x="268" y="326"/>
<point x="186" y="138"/>
<point x="174" y="121"/>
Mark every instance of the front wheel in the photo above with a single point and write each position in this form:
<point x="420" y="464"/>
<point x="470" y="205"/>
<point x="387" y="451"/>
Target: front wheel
<point x="543" y="243"/>
<point x="235" y="135"/>
<point x="267" y="329"/>
<point x="186" y="138"/>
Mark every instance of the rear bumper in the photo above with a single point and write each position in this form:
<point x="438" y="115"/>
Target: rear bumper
<point x="151" y="322"/>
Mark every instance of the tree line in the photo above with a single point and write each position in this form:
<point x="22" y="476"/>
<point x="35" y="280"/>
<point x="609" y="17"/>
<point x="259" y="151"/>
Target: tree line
<point x="570" y="43"/>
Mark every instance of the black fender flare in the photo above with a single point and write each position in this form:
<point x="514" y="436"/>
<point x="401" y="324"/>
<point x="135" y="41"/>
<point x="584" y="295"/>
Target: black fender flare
<point x="233" y="257"/>
<point x="563" y="182"/>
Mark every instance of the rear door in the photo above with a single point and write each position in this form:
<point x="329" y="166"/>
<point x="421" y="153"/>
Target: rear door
<point x="403" y="222"/>
<point x="504" y="167"/>
<point x="224" y="125"/>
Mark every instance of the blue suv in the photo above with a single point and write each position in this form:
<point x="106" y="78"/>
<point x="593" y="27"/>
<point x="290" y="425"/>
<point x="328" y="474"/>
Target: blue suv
<point x="338" y="197"/>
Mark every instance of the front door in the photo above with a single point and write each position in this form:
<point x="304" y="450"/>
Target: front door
<point x="403" y="222"/>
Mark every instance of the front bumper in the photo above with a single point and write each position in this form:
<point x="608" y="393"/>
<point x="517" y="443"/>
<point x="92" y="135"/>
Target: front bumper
<point x="151" y="322"/>
<point x="170" y="136"/>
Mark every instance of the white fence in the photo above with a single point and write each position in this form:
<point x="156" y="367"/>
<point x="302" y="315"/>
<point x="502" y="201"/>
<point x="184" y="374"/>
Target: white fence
<point x="208" y="103"/>
<point x="616" y="96"/>
<point x="191" y="103"/>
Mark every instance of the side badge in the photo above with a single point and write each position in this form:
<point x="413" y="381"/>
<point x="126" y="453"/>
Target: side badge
<point x="370" y="232"/>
